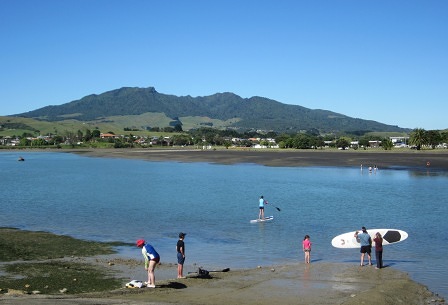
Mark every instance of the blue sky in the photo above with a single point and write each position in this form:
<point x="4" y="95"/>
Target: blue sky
<point x="376" y="60"/>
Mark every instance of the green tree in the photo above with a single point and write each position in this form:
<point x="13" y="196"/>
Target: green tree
<point x="444" y="135"/>
<point x="282" y="138"/>
<point x="178" y="128"/>
<point x="24" y="142"/>
<point x="58" y="140"/>
<point x="363" y="142"/>
<point x="387" y="144"/>
<point x="302" y="141"/>
<point x="433" y="138"/>
<point x="88" y="135"/>
<point x="181" y="140"/>
<point x="343" y="143"/>
<point x="26" y="135"/>
<point x="317" y="142"/>
<point x="96" y="133"/>
<point x="79" y="135"/>
<point x="265" y="143"/>
<point x="39" y="142"/>
<point x="418" y="137"/>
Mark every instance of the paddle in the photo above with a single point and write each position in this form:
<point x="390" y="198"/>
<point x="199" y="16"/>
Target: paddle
<point x="200" y="270"/>
<point x="223" y="270"/>
<point x="278" y="209"/>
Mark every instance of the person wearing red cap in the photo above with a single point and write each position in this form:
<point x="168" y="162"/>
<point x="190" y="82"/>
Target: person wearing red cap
<point x="152" y="258"/>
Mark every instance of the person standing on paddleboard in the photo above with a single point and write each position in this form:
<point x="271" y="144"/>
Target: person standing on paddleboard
<point x="366" y="244"/>
<point x="152" y="258"/>
<point x="261" y="203"/>
<point x="180" y="248"/>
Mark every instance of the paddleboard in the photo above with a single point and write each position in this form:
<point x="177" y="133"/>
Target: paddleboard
<point x="348" y="240"/>
<point x="268" y="218"/>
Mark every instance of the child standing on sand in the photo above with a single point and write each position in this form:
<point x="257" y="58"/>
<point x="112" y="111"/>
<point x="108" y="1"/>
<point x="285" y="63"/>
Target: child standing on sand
<point x="306" y="245"/>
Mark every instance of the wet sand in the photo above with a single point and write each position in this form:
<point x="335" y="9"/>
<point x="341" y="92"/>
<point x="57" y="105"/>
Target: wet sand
<point x="315" y="283"/>
<point x="395" y="159"/>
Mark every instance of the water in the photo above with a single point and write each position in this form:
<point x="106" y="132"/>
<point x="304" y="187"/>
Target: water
<point x="123" y="200"/>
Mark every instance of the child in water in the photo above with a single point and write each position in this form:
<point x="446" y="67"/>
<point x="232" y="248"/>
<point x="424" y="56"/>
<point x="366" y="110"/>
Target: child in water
<point x="306" y="244"/>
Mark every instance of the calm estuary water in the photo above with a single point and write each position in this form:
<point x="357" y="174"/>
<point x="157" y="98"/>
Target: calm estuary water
<point x="122" y="200"/>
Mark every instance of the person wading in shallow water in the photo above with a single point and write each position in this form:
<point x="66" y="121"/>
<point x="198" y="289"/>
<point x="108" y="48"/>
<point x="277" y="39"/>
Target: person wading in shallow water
<point x="306" y="245"/>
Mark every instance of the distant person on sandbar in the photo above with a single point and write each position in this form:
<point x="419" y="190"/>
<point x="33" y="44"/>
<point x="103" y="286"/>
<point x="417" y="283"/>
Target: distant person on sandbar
<point x="306" y="245"/>
<point x="261" y="203"/>
<point x="152" y="258"/>
<point x="366" y="245"/>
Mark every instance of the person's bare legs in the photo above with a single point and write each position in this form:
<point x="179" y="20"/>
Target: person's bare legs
<point x="180" y="271"/>
<point x="307" y="257"/>
<point x="151" y="276"/>
<point x="362" y="259"/>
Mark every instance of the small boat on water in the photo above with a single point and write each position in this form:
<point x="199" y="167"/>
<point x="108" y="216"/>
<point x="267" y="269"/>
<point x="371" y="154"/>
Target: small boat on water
<point x="21" y="159"/>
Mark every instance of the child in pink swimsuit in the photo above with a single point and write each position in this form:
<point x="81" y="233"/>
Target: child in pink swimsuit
<point x="306" y="244"/>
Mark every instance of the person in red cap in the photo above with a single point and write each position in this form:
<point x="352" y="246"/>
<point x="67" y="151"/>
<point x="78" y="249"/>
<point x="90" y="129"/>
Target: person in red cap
<point x="152" y="258"/>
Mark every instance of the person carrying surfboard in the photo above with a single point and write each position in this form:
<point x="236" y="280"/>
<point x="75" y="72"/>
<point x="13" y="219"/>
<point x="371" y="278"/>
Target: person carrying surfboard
<point x="261" y="203"/>
<point x="366" y="245"/>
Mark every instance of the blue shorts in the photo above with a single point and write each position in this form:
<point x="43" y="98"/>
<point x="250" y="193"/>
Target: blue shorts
<point x="180" y="258"/>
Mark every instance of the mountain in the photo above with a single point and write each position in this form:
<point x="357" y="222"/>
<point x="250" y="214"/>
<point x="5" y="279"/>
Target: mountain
<point x="221" y="110"/>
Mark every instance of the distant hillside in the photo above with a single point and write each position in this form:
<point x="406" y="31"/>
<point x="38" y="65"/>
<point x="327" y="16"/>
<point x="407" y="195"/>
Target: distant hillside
<point x="221" y="110"/>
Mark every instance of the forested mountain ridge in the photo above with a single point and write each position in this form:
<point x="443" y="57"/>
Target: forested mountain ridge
<point x="236" y="112"/>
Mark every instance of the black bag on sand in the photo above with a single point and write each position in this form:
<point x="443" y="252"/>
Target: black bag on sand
<point x="203" y="272"/>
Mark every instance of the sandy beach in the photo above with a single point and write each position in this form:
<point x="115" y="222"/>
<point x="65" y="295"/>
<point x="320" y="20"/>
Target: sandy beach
<point x="315" y="283"/>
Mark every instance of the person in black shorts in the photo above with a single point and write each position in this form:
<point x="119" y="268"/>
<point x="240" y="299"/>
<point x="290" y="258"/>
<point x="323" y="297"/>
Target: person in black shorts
<point x="366" y="245"/>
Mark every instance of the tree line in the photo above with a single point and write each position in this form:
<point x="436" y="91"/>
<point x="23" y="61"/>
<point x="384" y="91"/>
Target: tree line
<point x="418" y="139"/>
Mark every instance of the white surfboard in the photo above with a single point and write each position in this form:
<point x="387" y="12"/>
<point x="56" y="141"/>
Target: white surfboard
<point x="348" y="240"/>
<point x="268" y="218"/>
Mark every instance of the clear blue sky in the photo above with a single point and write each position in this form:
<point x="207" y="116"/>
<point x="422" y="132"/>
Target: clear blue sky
<point x="377" y="60"/>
